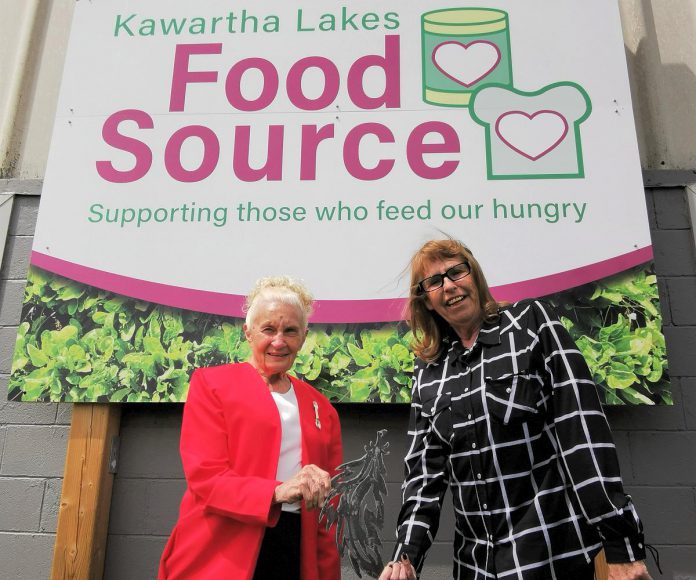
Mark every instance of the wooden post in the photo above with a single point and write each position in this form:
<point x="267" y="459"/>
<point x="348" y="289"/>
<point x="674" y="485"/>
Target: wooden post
<point x="85" y="500"/>
<point x="601" y="571"/>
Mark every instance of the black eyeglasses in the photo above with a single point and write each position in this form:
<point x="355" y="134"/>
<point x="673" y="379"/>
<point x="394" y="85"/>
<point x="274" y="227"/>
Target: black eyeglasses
<point x="454" y="273"/>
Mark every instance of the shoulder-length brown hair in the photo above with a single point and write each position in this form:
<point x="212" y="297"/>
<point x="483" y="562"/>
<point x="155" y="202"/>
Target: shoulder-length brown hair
<point x="428" y="327"/>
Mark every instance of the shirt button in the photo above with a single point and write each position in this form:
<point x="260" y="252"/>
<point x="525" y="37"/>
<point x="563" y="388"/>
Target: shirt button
<point x="468" y="416"/>
<point x="478" y="475"/>
<point x="508" y="390"/>
<point x="485" y="506"/>
<point x="640" y="545"/>
<point x="490" y="537"/>
<point x="466" y="390"/>
<point x="473" y="445"/>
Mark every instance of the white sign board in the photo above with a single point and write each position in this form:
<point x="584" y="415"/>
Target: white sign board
<point x="200" y="146"/>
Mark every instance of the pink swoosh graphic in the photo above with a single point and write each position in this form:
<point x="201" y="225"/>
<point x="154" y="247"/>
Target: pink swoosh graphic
<point x="326" y="311"/>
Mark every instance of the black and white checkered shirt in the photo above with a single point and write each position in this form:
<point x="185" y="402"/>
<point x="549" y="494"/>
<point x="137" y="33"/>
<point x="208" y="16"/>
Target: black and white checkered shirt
<point x="514" y="426"/>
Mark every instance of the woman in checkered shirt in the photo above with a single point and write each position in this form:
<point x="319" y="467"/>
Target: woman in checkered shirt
<point x="505" y="413"/>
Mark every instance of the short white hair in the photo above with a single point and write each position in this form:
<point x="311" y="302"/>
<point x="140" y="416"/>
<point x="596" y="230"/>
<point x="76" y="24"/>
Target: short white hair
<point x="283" y="289"/>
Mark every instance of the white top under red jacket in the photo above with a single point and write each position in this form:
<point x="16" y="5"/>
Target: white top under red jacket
<point x="230" y="442"/>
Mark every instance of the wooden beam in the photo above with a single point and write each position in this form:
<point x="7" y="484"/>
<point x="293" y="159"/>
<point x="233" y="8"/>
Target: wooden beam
<point x="83" y="516"/>
<point x="601" y="572"/>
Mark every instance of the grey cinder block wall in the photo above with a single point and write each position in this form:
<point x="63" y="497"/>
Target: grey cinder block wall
<point x="657" y="446"/>
<point x="33" y="438"/>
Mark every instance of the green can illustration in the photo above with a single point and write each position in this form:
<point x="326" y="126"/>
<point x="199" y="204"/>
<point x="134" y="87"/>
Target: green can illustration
<point x="464" y="49"/>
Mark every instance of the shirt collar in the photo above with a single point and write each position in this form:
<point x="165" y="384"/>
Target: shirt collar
<point x="489" y="334"/>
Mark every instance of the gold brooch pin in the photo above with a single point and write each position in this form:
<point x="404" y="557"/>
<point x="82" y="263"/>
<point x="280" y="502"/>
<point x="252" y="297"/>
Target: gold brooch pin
<point x="317" y="422"/>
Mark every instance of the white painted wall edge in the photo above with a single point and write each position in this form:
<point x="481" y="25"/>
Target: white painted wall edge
<point x="6" y="200"/>
<point x="691" y="197"/>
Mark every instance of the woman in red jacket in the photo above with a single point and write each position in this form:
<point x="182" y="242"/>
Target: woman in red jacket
<point x="258" y="449"/>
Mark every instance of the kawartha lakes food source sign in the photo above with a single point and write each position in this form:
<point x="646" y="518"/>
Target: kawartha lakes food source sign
<point x="199" y="147"/>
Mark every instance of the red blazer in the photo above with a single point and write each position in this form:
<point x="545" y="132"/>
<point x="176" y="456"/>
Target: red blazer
<point x="230" y="443"/>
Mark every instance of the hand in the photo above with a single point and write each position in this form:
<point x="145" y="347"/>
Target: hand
<point x="402" y="570"/>
<point x="628" y="571"/>
<point x="310" y="484"/>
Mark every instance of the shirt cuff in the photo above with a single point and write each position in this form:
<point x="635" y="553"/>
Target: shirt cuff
<point x="623" y="550"/>
<point x="410" y="551"/>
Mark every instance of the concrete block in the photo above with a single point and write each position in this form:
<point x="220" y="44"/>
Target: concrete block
<point x="671" y="209"/>
<point x="647" y="418"/>
<point x="24" y="212"/>
<point x="650" y="206"/>
<point x="387" y="549"/>
<point x="623" y="451"/>
<point x="347" y="572"/>
<point x="145" y="506"/>
<point x="150" y="452"/>
<point x="64" y="414"/>
<point x="445" y="532"/>
<point x="353" y="442"/>
<point x="132" y="557"/>
<point x="15" y="263"/>
<point x="668" y="513"/>
<point x="393" y="418"/>
<point x="21" y="186"/>
<point x="358" y="434"/>
<point x="349" y="418"/>
<point x="8" y="336"/>
<point x="396" y="415"/>
<point x="392" y="505"/>
<point x="664" y="458"/>
<point x="11" y="297"/>
<point x="681" y="346"/>
<point x="678" y="562"/>
<point x="26" y="556"/>
<point x="688" y="387"/>
<point x="34" y="451"/>
<point x="3" y="433"/>
<point x="438" y="562"/>
<point x="28" y="413"/>
<point x="682" y="298"/>
<point x="674" y="253"/>
<point x="161" y="415"/>
<point x="20" y="504"/>
<point x="51" y="505"/>
<point x="150" y="441"/>
<point x="665" y="300"/>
